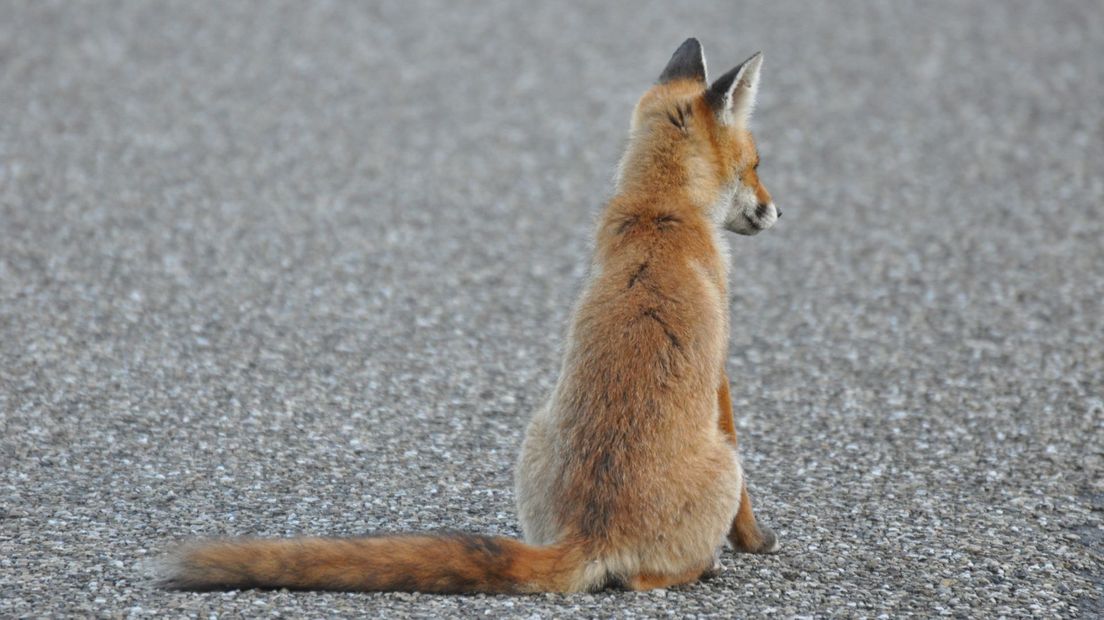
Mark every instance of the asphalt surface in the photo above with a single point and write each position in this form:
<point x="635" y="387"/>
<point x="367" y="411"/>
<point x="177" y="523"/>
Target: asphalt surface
<point x="283" y="268"/>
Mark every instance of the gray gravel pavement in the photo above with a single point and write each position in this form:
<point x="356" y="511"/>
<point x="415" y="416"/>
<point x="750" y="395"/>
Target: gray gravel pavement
<point x="277" y="268"/>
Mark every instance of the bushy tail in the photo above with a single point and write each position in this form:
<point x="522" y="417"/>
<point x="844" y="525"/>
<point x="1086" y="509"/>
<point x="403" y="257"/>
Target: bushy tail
<point x="411" y="563"/>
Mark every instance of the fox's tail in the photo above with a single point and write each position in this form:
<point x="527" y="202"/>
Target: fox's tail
<point x="412" y="563"/>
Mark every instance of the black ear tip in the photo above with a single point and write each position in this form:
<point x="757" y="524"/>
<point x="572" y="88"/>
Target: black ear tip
<point x="685" y="63"/>
<point x="690" y="48"/>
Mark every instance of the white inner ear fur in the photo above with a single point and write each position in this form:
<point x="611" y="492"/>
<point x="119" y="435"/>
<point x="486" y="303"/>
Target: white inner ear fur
<point x="740" y="99"/>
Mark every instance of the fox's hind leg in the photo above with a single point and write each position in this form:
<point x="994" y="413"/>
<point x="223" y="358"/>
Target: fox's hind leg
<point x="745" y="533"/>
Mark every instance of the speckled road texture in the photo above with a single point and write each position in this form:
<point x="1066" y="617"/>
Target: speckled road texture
<point x="276" y="268"/>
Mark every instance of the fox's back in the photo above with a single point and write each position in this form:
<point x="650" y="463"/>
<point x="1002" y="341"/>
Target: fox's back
<point x="635" y="414"/>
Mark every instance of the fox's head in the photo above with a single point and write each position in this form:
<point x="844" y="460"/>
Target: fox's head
<point x="692" y="135"/>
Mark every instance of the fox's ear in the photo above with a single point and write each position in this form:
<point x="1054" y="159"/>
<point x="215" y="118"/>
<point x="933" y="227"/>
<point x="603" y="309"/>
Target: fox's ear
<point x="732" y="96"/>
<point x="688" y="63"/>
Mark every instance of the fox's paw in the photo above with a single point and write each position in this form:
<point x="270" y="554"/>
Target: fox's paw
<point x="762" y="541"/>
<point x="715" y="569"/>
<point x="769" y="542"/>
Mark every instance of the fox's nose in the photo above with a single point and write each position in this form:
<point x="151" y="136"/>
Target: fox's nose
<point x="778" y="211"/>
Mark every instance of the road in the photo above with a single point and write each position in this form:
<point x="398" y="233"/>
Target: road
<point x="271" y="268"/>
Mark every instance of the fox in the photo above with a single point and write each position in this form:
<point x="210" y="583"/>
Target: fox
<point x="628" y="475"/>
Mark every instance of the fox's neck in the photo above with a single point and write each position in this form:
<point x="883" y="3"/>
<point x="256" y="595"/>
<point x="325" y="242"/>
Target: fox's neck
<point x="664" y="176"/>
<point x="650" y="172"/>
<point x="654" y="181"/>
<point x="657" y="218"/>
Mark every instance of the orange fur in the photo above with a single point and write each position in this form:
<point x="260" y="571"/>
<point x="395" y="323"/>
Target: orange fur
<point x="629" y="474"/>
<point x="443" y="563"/>
<point x="724" y="405"/>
